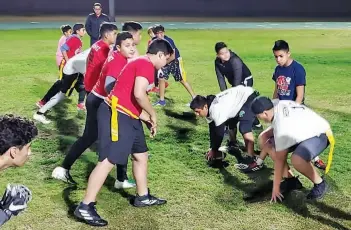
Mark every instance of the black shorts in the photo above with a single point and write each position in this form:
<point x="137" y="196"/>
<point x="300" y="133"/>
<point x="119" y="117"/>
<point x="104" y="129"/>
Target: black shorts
<point x="245" y="117"/>
<point x="175" y="68"/>
<point x="71" y="82"/>
<point x="310" y="148"/>
<point x="131" y="138"/>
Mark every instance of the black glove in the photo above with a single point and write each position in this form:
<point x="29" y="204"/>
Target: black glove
<point x="15" y="199"/>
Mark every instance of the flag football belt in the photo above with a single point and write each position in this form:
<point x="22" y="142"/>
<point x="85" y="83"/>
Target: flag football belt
<point x="113" y="103"/>
<point x="331" y="140"/>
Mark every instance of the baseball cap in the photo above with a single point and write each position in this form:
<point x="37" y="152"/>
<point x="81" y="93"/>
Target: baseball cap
<point x="261" y="104"/>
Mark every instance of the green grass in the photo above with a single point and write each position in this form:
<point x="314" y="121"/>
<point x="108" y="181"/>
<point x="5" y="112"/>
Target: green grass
<point x="198" y="197"/>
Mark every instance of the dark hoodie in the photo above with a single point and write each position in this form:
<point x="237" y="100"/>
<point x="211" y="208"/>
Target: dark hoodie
<point x="234" y="70"/>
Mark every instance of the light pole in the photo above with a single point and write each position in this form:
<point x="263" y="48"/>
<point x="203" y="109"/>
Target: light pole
<point x="111" y="6"/>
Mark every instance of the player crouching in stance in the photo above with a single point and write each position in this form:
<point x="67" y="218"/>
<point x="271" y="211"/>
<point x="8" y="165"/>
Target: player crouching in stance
<point x="16" y="134"/>
<point x="120" y="130"/>
<point x="229" y="107"/>
<point x="296" y="129"/>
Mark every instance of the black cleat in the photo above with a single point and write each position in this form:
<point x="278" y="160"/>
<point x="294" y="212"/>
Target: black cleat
<point x="88" y="214"/>
<point x="147" y="200"/>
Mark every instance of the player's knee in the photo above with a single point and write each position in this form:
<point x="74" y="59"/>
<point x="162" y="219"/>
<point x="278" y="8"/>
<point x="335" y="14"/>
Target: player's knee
<point x="140" y="157"/>
<point x="245" y="128"/>
<point x="248" y="136"/>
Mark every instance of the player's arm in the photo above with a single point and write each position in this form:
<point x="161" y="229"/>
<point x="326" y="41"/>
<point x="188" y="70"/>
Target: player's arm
<point x="64" y="49"/>
<point x="140" y="88"/>
<point x="275" y="93"/>
<point x="279" y="162"/>
<point x="237" y="67"/>
<point x="300" y="79"/>
<point x="300" y="93"/>
<point x="109" y="84"/>
<point x="216" y="135"/>
<point x="221" y="81"/>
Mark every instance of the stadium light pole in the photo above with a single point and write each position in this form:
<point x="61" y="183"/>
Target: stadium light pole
<point x="111" y="6"/>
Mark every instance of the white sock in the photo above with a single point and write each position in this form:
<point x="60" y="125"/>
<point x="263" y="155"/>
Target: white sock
<point x="259" y="161"/>
<point x="316" y="158"/>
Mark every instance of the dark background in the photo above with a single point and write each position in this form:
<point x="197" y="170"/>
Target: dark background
<point x="213" y="8"/>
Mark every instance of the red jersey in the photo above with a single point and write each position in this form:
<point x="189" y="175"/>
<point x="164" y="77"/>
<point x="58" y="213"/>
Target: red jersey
<point x="74" y="45"/>
<point x="112" y="67"/>
<point x="124" y="87"/>
<point x="96" y="59"/>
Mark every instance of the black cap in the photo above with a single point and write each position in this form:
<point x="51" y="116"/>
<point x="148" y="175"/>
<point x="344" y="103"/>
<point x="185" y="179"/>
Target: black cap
<point x="261" y="104"/>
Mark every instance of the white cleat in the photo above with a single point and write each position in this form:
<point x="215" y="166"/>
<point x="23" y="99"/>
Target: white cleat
<point x="41" y="118"/>
<point x="124" y="184"/>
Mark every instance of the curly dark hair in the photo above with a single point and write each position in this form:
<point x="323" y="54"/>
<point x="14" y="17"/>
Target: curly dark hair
<point x="15" y="131"/>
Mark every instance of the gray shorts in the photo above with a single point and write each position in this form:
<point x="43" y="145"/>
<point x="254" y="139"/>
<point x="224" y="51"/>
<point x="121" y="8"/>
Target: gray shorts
<point x="308" y="149"/>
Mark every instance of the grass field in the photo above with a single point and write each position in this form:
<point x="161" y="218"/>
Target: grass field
<point x="198" y="197"/>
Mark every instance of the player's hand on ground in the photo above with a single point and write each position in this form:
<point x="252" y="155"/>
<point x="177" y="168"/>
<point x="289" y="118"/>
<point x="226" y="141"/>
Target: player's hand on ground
<point x="15" y="199"/>
<point x="276" y="195"/>
<point x="212" y="154"/>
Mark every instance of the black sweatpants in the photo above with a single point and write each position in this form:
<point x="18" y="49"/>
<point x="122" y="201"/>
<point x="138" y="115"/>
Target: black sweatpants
<point x="90" y="135"/>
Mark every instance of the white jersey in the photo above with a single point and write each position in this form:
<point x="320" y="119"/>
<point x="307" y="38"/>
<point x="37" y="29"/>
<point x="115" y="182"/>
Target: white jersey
<point x="294" y="123"/>
<point x="77" y="64"/>
<point x="228" y="103"/>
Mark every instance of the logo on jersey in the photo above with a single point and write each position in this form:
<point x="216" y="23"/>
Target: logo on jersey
<point x="241" y="113"/>
<point x="283" y="84"/>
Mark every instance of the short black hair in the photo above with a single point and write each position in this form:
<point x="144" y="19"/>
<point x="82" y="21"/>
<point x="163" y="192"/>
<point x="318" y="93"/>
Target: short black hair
<point x="15" y="132"/>
<point x="281" y="45"/>
<point x="158" y="28"/>
<point x="160" y="45"/>
<point x="131" y="26"/>
<point x="261" y="104"/>
<point x="65" y="28"/>
<point x="219" y="46"/>
<point x="198" y="102"/>
<point x="107" y="27"/>
<point x="124" y="35"/>
<point x="97" y="4"/>
<point x="77" y="27"/>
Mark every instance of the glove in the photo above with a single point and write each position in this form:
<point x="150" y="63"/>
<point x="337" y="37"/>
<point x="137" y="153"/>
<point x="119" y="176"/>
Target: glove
<point x="15" y="199"/>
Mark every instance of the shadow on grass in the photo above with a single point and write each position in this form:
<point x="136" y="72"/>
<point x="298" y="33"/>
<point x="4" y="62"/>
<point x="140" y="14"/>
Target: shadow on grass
<point x="184" y="116"/>
<point x="182" y="134"/>
<point x="296" y="201"/>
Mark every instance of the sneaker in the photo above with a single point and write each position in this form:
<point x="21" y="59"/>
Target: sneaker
<point x="62" y="174"/>
<point x="147" y="200"/>
<point x="252" y="167"/>
<point x="318" y="191"/>
<point x="290" y="184"/>
<point x="257" y="127"/>
<point x="320" y="164"/>
<point x="81" y="106"/>
<point x="41" y="118"/>
<point x="160" y="103"/>
<point x="40" y="104"/>
<point x="154" y="90"/>
<point x="124" y="184"/>
<point x="88" y="214"/>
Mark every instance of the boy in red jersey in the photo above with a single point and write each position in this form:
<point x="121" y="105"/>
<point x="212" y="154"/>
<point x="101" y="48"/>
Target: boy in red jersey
<point x="112" y="67"/>
<point x="121" y="131"/>
<point x="71" y="47"/>
<point x="98" y="54"/>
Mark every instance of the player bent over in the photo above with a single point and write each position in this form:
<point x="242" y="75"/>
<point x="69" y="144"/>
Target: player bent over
<point x="120" y="131"/>
<point x="298" y="130"/>
<point x="229" y="107"/>
<point x="72" y="79"/>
